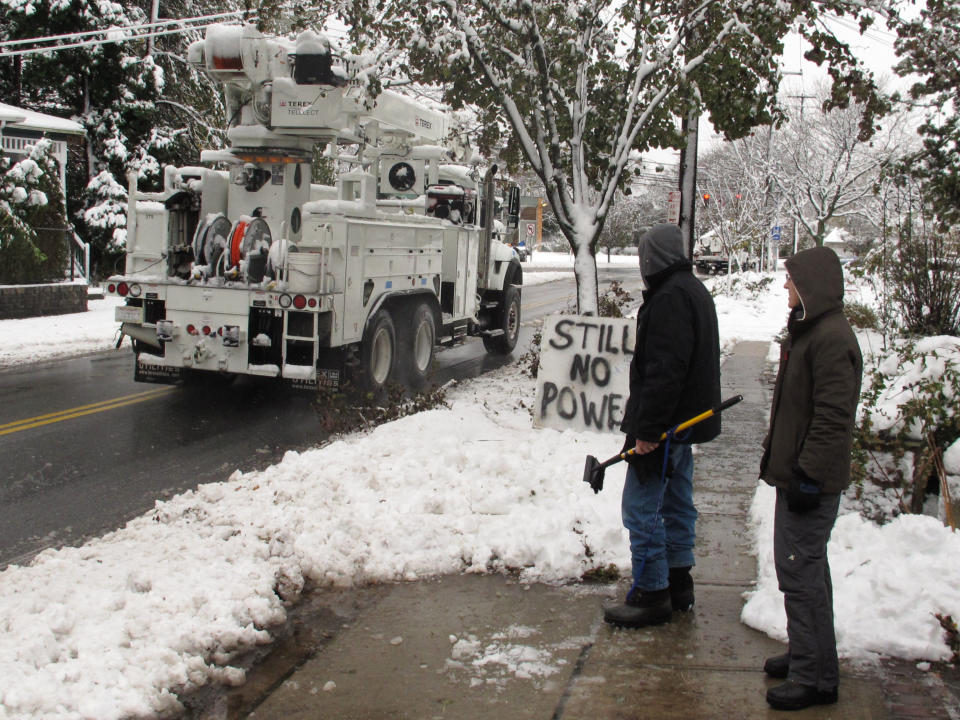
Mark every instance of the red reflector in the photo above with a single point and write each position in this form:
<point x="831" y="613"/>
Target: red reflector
<point x="206" y="329"/>
<point x="299" y="302"/>
<point x="220" y="331"/>
<point x="122" y="289"/>
<point x="191" y="329"/>
<point x="312" y="302"/>
<point x="111" y="288"/>
<point x="227" y="62"/>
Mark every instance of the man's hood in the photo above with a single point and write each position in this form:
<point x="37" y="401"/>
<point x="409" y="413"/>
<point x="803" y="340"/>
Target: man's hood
<point x="818" y="277"/>
<point x="660" y="248"/>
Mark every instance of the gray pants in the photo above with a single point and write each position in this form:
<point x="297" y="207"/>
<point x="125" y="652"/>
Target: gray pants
<point x="800" y="555"/>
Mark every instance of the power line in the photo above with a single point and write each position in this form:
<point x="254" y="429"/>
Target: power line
<point x="140" y="26"/>
<point x="115" y="35"/>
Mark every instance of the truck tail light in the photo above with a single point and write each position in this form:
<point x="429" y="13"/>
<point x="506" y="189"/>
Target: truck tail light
<point x="122" y="289"/>
<point x="206" y="330"/>
<point x="299" y="302"/>
<point x="192" y="329"/>
<point x="312" y="302"/>
<point x="111" y="288"/>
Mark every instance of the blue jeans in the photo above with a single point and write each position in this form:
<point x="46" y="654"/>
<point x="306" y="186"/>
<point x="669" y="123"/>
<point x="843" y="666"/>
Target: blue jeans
<point x="661" y="541"/>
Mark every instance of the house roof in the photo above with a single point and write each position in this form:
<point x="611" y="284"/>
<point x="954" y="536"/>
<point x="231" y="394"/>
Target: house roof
<point x="24" y="119"/>
<point x="837" y="236"/>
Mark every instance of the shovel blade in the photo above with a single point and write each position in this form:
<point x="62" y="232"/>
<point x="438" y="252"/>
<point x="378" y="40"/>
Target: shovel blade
<point x="593" y="474"/>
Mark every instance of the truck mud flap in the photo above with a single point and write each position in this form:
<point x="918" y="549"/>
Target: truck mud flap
<point x="159" y="374"/>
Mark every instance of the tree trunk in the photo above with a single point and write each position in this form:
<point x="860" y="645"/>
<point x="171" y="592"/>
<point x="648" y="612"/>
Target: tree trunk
<point x="585" y="271"/>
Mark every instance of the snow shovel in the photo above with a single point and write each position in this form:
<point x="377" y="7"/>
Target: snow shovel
<point x="594" y="469"/>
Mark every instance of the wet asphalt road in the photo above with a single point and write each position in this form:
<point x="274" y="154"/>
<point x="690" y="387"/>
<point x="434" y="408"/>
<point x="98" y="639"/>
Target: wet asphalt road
<point x="123" y="445"/>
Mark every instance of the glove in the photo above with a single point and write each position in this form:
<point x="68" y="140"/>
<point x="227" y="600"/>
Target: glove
<point x="803" y="492"/>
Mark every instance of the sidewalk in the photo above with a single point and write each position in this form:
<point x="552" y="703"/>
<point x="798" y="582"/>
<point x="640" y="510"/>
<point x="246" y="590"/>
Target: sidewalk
<point x="484" y="647"/>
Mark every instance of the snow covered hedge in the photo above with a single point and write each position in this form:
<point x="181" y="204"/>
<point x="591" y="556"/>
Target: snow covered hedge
<point x="909" y="429"/>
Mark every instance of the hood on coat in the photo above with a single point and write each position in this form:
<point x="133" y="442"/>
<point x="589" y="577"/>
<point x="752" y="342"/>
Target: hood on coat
<point x="818" y="277"/>
<point x="660" y="248"/>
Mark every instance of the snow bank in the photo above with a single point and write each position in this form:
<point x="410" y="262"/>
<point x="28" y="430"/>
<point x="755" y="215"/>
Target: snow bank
<point x="888" y="581"/>
<point x="37" y="339"/>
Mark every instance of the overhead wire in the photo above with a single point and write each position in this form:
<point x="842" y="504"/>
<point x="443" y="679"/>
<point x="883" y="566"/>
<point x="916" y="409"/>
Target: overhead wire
<point x="116" y="28"/>
<point x="117" y="34"/>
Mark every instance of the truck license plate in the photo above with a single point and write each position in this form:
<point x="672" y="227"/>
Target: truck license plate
<point x="128" y="313"/>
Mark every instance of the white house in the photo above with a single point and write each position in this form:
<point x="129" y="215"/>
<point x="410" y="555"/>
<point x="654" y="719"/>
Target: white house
<point x="21" y="128"/>
<point x="840" y="241"/>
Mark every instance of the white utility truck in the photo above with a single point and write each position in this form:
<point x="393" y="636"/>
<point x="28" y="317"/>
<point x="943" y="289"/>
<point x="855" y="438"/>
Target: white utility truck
<point x="242" y="266"/>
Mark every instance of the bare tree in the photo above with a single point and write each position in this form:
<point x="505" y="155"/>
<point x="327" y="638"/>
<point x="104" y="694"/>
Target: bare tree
<point x="822" y="168"/>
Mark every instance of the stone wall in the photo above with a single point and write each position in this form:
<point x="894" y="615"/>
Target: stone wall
<point x="22" y="301"/>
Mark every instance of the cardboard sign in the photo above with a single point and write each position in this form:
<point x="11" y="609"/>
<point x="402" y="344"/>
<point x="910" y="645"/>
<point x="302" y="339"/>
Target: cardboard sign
<point x="584" y="376"/>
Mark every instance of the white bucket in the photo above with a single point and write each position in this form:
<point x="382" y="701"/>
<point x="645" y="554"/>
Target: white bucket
<point x="303" y="272"/>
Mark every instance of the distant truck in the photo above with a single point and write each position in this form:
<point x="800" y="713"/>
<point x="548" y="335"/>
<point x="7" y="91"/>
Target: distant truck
<point x="711" y="257"/>
<point x="253" y="270"/>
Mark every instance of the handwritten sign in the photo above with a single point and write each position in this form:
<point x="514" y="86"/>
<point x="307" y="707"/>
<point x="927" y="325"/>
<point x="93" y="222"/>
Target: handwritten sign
<point x="584" y="375"/>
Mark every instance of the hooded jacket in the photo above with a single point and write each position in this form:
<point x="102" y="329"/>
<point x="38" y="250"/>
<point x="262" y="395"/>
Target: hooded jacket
<point x="818" y="384"/>
<point x="675" y="371"/>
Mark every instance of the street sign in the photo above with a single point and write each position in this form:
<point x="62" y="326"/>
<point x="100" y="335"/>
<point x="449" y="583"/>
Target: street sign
<point x="673" y="207"/>
<point x="775" y="233"/>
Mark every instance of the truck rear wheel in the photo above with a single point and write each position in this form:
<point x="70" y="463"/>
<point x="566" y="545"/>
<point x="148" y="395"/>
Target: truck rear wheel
<point x="508" y="320"/>
<point x="379" y="354"/>
<point x="419" y="344"/>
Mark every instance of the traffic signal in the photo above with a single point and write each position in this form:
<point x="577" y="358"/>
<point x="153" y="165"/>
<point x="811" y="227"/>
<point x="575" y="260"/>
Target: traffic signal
<point x="706" y="198"/>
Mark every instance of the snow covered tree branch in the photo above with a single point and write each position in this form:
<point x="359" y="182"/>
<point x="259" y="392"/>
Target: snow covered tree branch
<point x="574" y="89"/>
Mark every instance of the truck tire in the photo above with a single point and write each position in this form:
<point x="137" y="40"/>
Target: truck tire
<point x="378" y="356"/>
<point x="418" y="344"/>
<point x="508" y="321"/>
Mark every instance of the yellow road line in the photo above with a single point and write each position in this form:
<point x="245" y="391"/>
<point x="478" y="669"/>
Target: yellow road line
<point x="49" y="418"/>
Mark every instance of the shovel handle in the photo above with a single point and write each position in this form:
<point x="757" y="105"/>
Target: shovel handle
<point x="728" y="403"/>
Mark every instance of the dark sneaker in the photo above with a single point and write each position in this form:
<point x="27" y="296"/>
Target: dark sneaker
<point x="640" y="609"/>
<point x="777" y="666"/>
<point x="681" y="589"/>
<point x="794" y="696"/>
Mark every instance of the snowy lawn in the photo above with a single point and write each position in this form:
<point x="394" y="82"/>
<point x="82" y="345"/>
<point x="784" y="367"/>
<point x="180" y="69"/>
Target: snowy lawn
<point x="53" y="337"/>
<point x="114" y="628"/>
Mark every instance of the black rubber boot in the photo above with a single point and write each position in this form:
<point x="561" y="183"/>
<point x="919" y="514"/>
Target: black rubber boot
<point x="777" y="666"/>
<point x="681" y="589"/>
<point x="794" y="696"/>
<point x="640" y="609"/>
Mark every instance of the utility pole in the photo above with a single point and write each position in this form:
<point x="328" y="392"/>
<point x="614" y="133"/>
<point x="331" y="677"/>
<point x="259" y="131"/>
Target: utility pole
<point x="688" y="181"/>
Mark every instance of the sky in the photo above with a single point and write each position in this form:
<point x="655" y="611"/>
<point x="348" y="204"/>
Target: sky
<point x="116" y="627"/>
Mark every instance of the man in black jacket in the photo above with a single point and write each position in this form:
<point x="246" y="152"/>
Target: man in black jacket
<point x="674" y="375"/>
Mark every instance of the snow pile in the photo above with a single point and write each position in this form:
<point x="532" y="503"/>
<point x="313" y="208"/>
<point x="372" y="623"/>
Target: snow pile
<point x="504" y="658"/>
<point x="888" y="582"/>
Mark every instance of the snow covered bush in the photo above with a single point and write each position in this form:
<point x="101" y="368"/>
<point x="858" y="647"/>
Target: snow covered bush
<point x="909" y="419"/>
<point x="32" y="224"/>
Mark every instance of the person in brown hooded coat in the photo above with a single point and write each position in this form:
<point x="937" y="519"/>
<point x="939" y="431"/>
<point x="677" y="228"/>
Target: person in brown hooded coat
<point x="807" y="458"/>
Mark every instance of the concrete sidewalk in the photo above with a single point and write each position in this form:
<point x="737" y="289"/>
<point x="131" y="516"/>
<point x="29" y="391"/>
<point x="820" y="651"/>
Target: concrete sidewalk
<point x="489" y="647"/>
